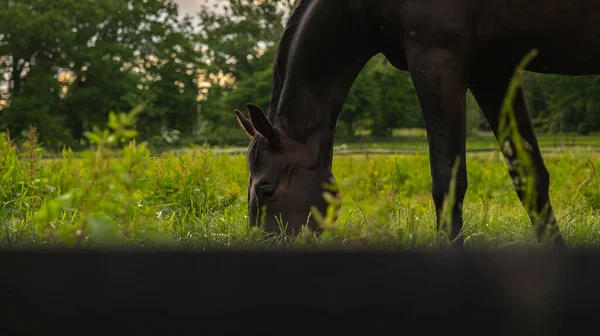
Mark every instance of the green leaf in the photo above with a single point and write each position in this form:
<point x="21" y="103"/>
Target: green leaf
<point x="94" y="138"/>
<point x="102" y="230"/>
<point x="51" y="210"/>
<point x="113" y="122"/>
<point x="159" y="237"/>
<point x="136" y="111"/>
<point x="68" y="235"/>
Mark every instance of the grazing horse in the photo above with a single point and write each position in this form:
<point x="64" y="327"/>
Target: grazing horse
<point x="448" y="47"/>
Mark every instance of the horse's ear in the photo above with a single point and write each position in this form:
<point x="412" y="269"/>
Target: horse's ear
<point x="261" y="124"/>
<point x="245" y="123"/>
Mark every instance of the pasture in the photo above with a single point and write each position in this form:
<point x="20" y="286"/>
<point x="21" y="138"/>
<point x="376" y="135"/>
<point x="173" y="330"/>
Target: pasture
<point x="196" y="199"/>
<point x="329" y="89"/>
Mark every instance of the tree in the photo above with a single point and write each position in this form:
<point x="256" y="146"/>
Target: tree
<point x="239" y="43"/>
<point x="69" y="63"/>
<point x="564" y="103"/>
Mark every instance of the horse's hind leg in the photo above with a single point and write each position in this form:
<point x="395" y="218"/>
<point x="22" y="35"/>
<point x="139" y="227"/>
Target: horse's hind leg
<point x="440" y="81"/>
<point x="490" y="93"/>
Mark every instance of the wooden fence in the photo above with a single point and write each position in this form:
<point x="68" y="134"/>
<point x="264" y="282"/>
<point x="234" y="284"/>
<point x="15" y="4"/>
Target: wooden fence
<point x="133" y="292"/>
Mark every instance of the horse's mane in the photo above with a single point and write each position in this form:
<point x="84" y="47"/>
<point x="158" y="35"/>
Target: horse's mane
<point x="281" y="56"/>
<point x="279" y="70"/>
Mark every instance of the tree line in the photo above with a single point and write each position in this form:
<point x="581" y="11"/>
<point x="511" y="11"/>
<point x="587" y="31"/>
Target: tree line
<point x="66" y="64"/>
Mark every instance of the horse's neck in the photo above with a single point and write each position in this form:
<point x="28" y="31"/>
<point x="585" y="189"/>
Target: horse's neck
<point x="323" y="62"/>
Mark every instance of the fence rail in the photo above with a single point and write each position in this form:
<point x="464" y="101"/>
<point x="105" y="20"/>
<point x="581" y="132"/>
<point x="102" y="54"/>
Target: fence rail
<point x="521" y="292"/>
<point x="546" y="149"/>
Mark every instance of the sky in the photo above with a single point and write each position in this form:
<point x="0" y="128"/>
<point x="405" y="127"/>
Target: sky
<point x="189" y="6"/>
<point x="193" y="6"/>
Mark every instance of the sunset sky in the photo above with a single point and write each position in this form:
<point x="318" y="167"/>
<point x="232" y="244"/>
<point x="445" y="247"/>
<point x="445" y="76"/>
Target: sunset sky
<point x="192" y="6"/>
<point x="189" y="6"/>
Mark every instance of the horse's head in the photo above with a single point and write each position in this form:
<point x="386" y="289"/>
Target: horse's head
<point x="286" y="179"/>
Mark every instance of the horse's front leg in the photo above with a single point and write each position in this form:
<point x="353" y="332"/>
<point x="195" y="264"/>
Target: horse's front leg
<point x="440" y="79"/>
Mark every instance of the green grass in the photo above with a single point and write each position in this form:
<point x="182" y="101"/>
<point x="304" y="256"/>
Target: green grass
<point x="120" y="195"/>
<point x="198" y="200"/>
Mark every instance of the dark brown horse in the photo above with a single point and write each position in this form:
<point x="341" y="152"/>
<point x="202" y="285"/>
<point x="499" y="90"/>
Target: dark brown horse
<point x="448" y="47"/>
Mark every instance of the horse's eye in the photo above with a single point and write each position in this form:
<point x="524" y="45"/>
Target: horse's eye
<point x="266" y="193"/>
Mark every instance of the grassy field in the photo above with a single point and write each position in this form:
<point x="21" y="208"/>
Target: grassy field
<point x="198" y="200"/>
<point x="416" y="139"/>
<point x="402" y="140"/>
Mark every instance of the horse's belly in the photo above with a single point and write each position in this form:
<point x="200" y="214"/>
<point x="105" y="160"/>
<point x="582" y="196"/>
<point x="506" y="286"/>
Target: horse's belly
<point x="561" y="56"/>
<point x="566" y="55"/>
<point x="572" y="65"/>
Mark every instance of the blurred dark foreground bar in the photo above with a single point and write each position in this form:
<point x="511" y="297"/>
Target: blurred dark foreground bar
<point x="520" y="292"/>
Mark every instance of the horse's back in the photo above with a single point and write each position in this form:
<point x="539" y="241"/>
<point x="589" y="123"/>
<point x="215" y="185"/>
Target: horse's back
<point x="566" y="33"/>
